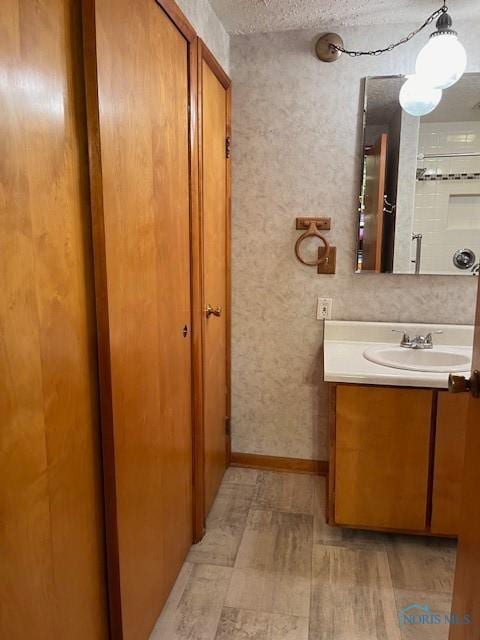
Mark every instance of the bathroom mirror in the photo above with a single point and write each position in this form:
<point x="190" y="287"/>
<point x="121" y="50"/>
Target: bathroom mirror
<point x="419" y="203"/>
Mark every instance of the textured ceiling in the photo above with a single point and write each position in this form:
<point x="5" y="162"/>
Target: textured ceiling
<point x="254" y="16"/>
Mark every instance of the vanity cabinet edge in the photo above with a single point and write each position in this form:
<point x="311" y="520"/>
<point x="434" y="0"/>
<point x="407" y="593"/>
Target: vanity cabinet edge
<point x="433" y="470"/>
<point x="332" y="421"/>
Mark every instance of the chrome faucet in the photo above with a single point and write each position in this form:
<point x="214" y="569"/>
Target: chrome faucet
<point x="418" y="342"/>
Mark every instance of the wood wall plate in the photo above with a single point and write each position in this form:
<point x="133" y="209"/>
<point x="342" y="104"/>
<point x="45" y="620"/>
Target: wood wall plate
<point x="323" y="224"/>
<point x="329" y="266"/>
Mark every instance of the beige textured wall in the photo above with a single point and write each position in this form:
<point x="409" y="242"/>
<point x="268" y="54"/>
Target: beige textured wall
<point x="296" y="152"/>
<point x="209" y="28"/>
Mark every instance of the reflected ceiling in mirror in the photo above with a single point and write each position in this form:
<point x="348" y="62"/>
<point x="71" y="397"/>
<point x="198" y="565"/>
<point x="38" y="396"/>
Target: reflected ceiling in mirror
<point x="419" y="207"/>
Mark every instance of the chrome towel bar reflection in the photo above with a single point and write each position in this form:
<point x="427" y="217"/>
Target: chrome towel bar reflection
<point x="418" y="237"/>
<point x="423" y="156"/>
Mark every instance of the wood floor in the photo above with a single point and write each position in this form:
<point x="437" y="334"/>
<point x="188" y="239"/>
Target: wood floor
<point x="269" y="568"/>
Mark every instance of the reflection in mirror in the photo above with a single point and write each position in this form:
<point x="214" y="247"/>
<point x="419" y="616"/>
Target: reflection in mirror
<point x="420" y="189"/>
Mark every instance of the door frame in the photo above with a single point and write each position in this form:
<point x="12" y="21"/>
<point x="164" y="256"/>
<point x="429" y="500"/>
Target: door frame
<point x="101" y="292"/>
<point x="205" y="55"/>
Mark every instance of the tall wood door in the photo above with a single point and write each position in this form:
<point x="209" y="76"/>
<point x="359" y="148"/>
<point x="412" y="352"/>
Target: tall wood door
<point x="376" y="173"/>
<point x="215" y="209"/>
<point x="466" y="594"/>
<point x="138" y="92"/>
<point x="52" y="573"/>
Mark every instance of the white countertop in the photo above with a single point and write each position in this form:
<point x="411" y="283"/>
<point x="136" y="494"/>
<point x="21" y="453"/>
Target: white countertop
<point x="345" y="342"/>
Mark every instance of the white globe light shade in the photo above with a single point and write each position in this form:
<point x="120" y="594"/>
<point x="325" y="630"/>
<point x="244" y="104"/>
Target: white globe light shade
<point x="442" y="61"/>
<point x="418" y="98"/>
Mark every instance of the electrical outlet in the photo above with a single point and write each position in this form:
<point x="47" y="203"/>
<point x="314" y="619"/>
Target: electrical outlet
<point x="324" y="309"/>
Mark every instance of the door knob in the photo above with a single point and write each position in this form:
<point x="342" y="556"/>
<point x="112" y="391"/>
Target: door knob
<point x="460" y="384"/>
<point x="213" y="311"/>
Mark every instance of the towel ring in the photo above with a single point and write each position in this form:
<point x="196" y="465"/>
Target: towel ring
<point x="312" y="232"/>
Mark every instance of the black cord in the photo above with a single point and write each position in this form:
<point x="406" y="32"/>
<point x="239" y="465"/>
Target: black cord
<point x="377" y="52"/>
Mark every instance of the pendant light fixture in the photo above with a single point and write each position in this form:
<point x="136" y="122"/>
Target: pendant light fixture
<point x="418" y="98"/>
<point x="440" y="64"/>
<point x="442" y="61"/>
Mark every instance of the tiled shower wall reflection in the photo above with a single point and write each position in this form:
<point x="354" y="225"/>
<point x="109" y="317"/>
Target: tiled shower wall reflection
<point x="447" y="200"/>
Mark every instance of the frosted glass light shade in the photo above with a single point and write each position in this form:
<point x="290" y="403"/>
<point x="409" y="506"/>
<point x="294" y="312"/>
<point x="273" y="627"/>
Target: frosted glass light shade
<point x="442" y="61"/>
<point x="418" y="98"/>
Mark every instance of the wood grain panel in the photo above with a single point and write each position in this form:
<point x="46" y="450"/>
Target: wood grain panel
<point x="376" y="172"/>
<point x="214" y="180"/>
<point x="214" y="109"/>
<point x="51" y="532"/>
<point x="382" y="457"/>
<point x="141" y="161"/>
<point x="466" y="601"/>
<point x="448" y="470"/>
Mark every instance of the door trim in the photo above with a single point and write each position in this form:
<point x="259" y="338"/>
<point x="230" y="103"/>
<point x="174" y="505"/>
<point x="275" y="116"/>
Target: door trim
<point x="101" y="292"/>
<point x="204" y="54"/>
<point x="178" y="18"/>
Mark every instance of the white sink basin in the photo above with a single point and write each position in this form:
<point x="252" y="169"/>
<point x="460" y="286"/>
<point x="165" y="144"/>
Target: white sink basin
<point x="436" y="360"/>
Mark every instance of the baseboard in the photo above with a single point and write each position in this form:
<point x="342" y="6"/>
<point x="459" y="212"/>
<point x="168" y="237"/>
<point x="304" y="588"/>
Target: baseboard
<point x="274" y="463"/>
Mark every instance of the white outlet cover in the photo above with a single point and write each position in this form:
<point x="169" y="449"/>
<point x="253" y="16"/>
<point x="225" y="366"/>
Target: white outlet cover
<point x="324" y="309"/>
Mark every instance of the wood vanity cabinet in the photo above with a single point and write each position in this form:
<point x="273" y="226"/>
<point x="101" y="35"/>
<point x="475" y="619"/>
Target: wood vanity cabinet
<point x="396" y="458"/>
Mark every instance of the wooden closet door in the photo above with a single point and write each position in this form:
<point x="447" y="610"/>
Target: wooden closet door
<point x="141" y="190"/>
<point x="52" y="573"/>
<point x="215" y="181"/>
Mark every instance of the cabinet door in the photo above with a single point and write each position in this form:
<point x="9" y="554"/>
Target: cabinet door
<point x="382" y="457"/>
<point x="141" y="177"/>
<point x="448" y="470"/>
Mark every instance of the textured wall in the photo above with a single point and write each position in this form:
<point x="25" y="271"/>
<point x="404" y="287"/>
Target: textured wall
<point x="209" y="28"/>
<point x="296" y="152"/>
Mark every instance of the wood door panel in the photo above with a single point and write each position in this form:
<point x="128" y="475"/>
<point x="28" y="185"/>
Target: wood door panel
<point x="448" y="467"/>
<point x="144" y="166"/>
<point x="382" y="457"/>
<point x="51" y="497"/>
<point x="466" y="600"/>
<point x="215" y="268"/>
<point x="376" y="172"/>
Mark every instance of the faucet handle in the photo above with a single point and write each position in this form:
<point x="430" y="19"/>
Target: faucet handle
<point x="430" y="334"/>
<point x="405" y="336"/>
